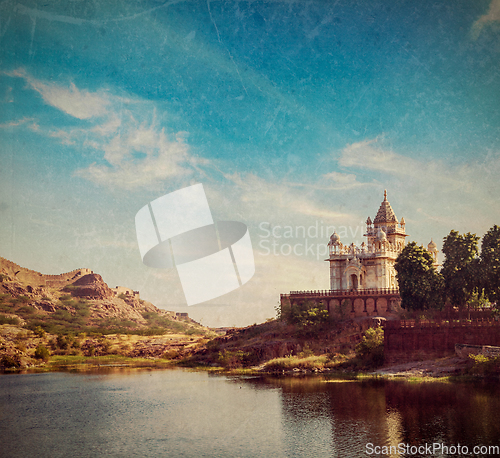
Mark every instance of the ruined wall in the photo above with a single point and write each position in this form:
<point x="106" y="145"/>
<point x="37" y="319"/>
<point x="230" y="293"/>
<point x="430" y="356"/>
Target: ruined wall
<point x="16" y="272"/>
<point x="410" y="340"/>
<point x="32" y="277"/>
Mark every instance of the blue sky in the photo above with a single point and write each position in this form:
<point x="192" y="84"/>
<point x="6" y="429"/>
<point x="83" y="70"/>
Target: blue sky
<point x="290" y="113"/>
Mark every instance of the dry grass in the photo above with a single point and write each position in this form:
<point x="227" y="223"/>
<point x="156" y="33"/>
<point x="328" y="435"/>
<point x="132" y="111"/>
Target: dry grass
<point x="308" y="363"/>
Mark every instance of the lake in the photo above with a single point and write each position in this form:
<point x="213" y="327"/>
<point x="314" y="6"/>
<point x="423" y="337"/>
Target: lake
<point x="181" y="413"/>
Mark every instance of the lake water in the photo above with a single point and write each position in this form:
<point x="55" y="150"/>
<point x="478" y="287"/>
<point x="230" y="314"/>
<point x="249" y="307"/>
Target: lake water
<point x="179" y="413"/>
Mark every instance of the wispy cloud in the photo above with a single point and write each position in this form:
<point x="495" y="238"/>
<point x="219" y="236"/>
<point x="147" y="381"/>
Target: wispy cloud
<point x="259" y="198"/>
<point x="77" y="103"/>
<point x="492" y="15"/>
<point x="343" y="181"/>
<point x="368" y="154"/>
<point x="17" y="123"/>
<point x="142" y="157"/>
<point x="459" y="195"/>
<point x="132" y="152"/>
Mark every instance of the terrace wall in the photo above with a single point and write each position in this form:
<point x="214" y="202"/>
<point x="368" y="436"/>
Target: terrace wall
<point x="410" y="340"/>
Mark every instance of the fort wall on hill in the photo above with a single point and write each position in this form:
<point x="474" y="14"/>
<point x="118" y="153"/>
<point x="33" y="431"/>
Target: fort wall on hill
<point x="30" y="276"/>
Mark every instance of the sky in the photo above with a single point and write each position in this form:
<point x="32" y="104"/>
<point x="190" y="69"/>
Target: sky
<point x="294" y="115"/>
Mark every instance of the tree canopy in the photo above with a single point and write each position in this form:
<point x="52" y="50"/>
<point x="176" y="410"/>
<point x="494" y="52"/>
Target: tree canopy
<point x="461" y="269"/>
<point x="420" y="285"/>
<point x="490" y="264"/>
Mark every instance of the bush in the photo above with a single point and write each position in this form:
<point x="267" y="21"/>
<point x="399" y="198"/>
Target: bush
<point x="306" y="315"/>
<point x="42" y="353"/>
<point x="62" y="342"/>
<point x="9" y="361"/>
<point x="9" y="320"/>
<point x="371" y="347"/>
<point x="25" y="310"/>
<point x="308" y="363"/>
<point x="38" y="331"/>
<point x="170" y="354"/>
<point x="483" y="365"/>
<point x="235" y="359"/>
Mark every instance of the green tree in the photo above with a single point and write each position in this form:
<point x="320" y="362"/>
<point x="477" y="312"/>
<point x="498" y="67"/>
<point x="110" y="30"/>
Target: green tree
<point x="306" y="314"/>
<point x="371" y="347"/>
<point x="461" y="267"/>
<point x="42" y="353"/>
<point x="420" y="285"/>
<point x="490" y="264"/>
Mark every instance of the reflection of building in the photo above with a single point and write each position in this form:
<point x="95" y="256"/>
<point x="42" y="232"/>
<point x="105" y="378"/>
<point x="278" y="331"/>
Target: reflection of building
<point x="363" y="279"/>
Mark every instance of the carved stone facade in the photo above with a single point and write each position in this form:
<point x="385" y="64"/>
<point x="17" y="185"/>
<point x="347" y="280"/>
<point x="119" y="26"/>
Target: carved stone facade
<point x="370" y="266"/>
<point x="362" y="279"/>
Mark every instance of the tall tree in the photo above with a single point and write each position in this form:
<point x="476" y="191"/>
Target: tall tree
<point x="460" y="267"/>
<point x="490" y="264"/>
<point x="420" y="285"/>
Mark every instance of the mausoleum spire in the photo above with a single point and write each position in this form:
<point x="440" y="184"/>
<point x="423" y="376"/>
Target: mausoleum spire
<point x="385" y="213"/>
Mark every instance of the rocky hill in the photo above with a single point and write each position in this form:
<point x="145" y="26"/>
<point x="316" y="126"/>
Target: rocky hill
<point x="78" y="300"/>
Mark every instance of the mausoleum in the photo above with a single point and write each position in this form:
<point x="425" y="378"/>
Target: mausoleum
<point x="362" y="278"/>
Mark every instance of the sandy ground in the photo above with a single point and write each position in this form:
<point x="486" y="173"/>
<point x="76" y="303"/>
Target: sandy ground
<point x="442" y="367"/>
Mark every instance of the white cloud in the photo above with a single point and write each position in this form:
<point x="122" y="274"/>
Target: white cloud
<point x="343" y="181"/>
<point x="463" y="196"/>
<point x="366" y="154"/>
<point x="261" y="198"/>
<point x="18" y="123"/>
<point x="134" y="154"/>
<point x="492" y="15"/>
<point x="80" y="104"/>
<point x="141" y="157"/>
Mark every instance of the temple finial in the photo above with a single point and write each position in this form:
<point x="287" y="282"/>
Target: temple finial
<point x="385" y="194"/>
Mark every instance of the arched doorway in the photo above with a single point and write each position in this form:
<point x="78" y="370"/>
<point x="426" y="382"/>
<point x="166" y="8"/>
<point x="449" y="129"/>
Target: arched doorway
<point x="354" y="281"/>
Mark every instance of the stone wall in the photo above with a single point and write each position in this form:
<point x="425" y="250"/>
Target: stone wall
<point x="417" y="340"/>
<point x="36" y="278"/>
<point x="347" y="304"/>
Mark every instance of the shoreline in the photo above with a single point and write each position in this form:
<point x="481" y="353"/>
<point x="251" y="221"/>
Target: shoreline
<point x="449" y="369"/>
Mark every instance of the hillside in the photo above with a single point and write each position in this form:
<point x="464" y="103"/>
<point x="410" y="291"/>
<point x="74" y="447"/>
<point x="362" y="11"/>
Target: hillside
<point x="320" y="346"/>
<point x="77" y="313"/>
<point x="78" y="300"/>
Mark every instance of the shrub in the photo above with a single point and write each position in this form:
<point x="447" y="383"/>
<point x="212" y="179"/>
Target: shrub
<point x="235" y="359"/>
<point x="39" y="331"/>
<point x="9" y="320"/>
<point x="306" y="315"/>
<point x="42" y="353"/>
<point x="70" y="288"/>
<point x="170" y="354"/>
<point x="288" y="363"/>
<point x="10" y="361"/>
<point x="62" y="342"/>
<point x="483" y="365"/>
<point x="371" y="347"/>
<point x="25" y="310"/>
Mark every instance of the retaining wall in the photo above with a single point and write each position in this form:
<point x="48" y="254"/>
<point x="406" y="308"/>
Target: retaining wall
<point x="417" y="340"/>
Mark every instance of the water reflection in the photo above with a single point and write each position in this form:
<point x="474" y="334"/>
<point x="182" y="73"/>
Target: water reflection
<point x="388" y="413"/>
<point x="181" y="413"/>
